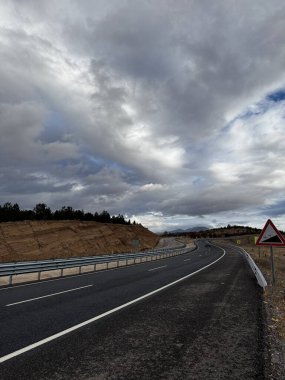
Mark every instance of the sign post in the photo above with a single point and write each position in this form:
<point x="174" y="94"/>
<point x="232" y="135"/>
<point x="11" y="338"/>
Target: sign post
<point x="270" y="236"/>
<point x="272" y="265"/>
<point x="136" y="244"/>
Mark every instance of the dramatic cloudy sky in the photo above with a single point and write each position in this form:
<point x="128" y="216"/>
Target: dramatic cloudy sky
<point x="171" y="112"/>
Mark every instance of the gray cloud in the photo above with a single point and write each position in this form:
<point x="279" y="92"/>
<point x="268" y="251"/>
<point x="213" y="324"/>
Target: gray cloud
<point x="154" y="108"/>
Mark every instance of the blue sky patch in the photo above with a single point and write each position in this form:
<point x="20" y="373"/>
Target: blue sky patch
<point x="277" y="96"/>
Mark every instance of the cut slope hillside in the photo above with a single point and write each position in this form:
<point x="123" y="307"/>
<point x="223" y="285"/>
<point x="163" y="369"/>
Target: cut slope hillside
<point x="36" y="240"/>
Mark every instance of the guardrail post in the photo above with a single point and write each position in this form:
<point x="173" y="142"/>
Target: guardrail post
<point x="10" y="279"/>
<point x="39" y="276"/>
<point x="80" y="268"/>
<point x="61" y="272"/>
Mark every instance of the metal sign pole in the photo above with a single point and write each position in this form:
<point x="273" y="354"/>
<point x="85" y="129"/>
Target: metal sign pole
<point x="270" y="236"/>
<point x="272" y="265"/>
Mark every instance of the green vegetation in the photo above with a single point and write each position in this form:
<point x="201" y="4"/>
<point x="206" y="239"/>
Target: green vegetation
<point x="13" y="213"/>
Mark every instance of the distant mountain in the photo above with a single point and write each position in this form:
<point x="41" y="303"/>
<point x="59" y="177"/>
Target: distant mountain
<point x="191" y="229"/>
<point x="207" y="231"/>
<point x="178" y="231"/>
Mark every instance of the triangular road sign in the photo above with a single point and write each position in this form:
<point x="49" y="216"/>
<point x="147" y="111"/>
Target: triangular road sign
<point x="270" y="236"/>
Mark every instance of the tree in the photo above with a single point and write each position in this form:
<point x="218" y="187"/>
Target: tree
<point x="119" y="219"/>
<point x="88" y="216"/>
<point x="42" y="211"/>
<point x="10" y="212"/>
<point x="104" y="217"/>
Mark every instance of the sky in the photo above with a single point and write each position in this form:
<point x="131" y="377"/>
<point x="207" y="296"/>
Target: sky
<point x="170" y="112"/>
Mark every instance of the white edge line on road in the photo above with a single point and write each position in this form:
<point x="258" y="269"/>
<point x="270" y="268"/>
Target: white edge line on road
<point x="48" y="295"/>
<point x="76" y="327"/>
<point x="163" y="266"/>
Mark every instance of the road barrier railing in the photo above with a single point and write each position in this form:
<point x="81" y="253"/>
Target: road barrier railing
<point x="17" y="268"/>
<point x="257" y="272"/>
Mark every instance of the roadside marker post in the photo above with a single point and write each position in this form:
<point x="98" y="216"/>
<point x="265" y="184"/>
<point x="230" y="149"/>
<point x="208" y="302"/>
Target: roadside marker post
<point x="255" y="240"/>
<point x="271" y="237"/>
<point x="272" y="265"/>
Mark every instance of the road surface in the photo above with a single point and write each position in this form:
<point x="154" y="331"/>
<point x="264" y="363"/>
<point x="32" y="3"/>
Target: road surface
<point x="194" y="316"/>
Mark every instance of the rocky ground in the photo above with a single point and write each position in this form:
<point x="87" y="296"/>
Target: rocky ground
<point x="35" y="240"/>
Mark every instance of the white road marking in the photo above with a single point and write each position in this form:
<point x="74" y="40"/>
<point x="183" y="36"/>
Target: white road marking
<point x="164" y="266"/>
<point x="48" y="295"/>
<point x="187" y="259"/>
<point x="76" y="327"/>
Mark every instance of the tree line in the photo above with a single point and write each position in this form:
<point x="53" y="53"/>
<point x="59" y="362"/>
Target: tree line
<point x="221" y="232"/>
<point x="12" y="212"/>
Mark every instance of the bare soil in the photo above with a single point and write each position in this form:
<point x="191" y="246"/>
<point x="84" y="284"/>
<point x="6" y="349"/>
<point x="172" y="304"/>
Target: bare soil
<point x="36" y="240"/>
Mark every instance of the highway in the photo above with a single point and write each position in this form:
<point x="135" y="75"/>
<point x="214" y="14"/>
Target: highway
<point x="191" y="316"/>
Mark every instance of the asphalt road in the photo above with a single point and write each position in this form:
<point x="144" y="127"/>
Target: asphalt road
<point x="117" y="324"/>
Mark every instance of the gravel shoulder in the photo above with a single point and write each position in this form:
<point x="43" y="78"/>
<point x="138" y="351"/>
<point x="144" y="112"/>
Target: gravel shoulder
<point x="273" y="299"/>
<point x="274" y="344"/>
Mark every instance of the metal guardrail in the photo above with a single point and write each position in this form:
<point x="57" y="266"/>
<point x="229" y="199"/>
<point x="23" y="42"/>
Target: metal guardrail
<point x="11" y="269"/>
<point x="258" y="274"/>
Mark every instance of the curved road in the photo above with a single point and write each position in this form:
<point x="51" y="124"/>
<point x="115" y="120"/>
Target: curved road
<point x="194" y="316"/>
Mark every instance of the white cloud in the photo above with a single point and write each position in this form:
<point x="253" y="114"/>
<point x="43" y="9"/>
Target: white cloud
<point x="153" y="108"/>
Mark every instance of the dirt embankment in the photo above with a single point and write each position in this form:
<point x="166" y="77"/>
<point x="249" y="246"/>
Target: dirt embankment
<point x="36" y="240"/>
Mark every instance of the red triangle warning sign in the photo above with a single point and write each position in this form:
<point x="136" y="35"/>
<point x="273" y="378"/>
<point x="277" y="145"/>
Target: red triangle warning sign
<point x="270" y="235"/>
